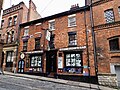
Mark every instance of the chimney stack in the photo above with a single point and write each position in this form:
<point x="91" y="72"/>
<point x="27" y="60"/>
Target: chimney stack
<point x="73" y="7"/>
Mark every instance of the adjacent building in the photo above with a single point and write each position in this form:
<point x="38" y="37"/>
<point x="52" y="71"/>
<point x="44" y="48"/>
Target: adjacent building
<point x="58" y="46"/>
<point x="9" y="32"/>
<point x="106" y="20"/>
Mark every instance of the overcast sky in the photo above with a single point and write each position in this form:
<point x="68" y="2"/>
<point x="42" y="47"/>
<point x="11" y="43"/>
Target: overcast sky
<point x="47" y="7"/>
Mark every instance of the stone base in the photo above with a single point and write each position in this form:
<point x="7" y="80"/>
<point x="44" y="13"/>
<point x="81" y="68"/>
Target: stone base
<point x="107" y="80"/>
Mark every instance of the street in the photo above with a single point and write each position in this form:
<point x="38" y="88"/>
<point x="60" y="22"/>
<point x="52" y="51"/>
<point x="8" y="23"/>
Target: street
<point x="20" y="83"/>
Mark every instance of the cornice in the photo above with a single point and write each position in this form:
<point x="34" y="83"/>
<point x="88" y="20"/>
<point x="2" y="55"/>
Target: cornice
<point x="108" y="25"/>
<point x="100" y="2"/>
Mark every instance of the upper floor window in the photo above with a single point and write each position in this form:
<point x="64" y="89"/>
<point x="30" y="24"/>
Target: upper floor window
<point x="119" y="10"/>
<point x="15" y="20"/>
<point x="37" y="43"/>
<point x="109" y="16"/>
<point x="12" y="36"/>
<point x="72" y="38"/>
<point x="71" y="20"/>
<point x="8" y="37"/>
<point x="2" y="23"/>
<point x="25" y="43"/>
<point x="52" y="24"/>
<point x="10" y="21"/>
<point x="114" y="44"/>
<point x="51" y="42"/>
<point x="26" y="32"/>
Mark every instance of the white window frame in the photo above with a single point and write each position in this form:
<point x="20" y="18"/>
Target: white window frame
<point x="70" y="18"/>
<point x="52" y="24"/>
<point x="26" y="32"/>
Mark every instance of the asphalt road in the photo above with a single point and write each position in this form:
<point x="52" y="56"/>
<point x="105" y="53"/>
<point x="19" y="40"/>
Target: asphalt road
<point x="20" y="83"/>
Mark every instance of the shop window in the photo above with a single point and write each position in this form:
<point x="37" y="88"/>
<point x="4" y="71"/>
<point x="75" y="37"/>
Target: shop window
<point x="8" y="37"/>
<point x="51" y="42"/>
<point x="36" y="61"/>
<point x="52" y="25"/>
<point x="26" y="32"/>
<point x="109" y="16"/>
<point x="71" y="21"/>
<point x="2" y="23"/>
<point x="37" y="43"/>
<point x="25" y="43"/>
<point x="10" y="21"/>
<point x="72" y="39"/>
<point x="9" y="59"/>
<point x="15" y="20"/>
<point x="114" y="44"/>
<point x="73" y="60"/>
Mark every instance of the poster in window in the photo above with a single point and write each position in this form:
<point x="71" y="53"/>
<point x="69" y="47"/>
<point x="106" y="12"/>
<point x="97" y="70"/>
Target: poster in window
<point x="60" y="62"/>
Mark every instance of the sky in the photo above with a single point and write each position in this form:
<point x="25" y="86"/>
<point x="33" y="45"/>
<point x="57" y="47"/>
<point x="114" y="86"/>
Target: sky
<point x="47" y="7"/>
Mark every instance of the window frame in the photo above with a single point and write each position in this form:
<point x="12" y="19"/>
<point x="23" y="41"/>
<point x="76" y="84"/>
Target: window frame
<point x="10" y="21"/>
<point x="114" y="47"/>
<point x="52" y="24"/>
<point x="8" y="37"/>
<point x="75" y="53"/>
<point x="12" y="36"/>
<point x="25" y="45"/>
<point x="37" y="43"/>
<point x="70" y="35"/>
<point x="106" y="12"/>
<point x="73" y="18"/>
<point x="10" y="62"/>
<point x="2" y="23"/>
<point x="36" y="64"/>
<point x="26" y="32"/>
<point x="15" y="20"/>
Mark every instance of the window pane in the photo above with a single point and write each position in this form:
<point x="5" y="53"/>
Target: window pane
<point x="114" y="44"/>
<point x="52" y="25"/>
<point x="72" y="40"/>
<point x="26" y="32"/>
<point x="71" y="21"/>
<point x="109" y="16"/>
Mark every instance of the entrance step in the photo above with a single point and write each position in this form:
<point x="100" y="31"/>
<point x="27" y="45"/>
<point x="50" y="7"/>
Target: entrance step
<point x="51" y="75"/>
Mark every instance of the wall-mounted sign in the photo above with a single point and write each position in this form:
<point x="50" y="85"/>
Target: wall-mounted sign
<point x="60" y="63"/>
<point x="22" y="55"/>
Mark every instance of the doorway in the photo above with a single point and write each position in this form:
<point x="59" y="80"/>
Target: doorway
<point x="51" y="64"/>
<point x="117" y="70"/>
<point x="21" y="66"/>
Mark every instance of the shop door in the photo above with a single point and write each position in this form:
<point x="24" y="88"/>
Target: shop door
<point x="117" y="70"/>
<point x="21" y="66"/>
<point x="51" y="65"/>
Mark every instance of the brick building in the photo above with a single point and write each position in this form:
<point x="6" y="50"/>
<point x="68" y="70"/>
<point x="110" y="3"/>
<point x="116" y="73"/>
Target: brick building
<point x="59" y="45"/>
<point x="9" y="32"/>
<point x="106" y="17"/>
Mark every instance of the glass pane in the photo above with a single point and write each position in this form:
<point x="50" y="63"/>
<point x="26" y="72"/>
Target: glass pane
<point x="78" y="60"/>
<point x="72" y="59"/>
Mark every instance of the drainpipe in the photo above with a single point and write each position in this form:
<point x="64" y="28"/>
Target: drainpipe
<point x="87" y="46"/>
<point x="93" y="39"/>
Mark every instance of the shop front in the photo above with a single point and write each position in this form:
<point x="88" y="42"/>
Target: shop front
<point x="31" y="62"/>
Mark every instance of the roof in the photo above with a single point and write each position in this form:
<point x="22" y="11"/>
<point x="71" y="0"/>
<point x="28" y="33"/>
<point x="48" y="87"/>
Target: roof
<point x="73" y="11"/>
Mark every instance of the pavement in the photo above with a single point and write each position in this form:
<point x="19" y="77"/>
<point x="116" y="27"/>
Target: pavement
<point x="60" y="81"/>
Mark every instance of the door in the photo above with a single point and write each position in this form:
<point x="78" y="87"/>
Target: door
<point x="21" y="66"/>
<point x="51" y="65"/>
<point x="117" y="70"/>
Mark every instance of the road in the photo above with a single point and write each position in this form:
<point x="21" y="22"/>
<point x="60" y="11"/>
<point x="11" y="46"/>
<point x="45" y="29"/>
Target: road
<point x="20" y="83"/>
